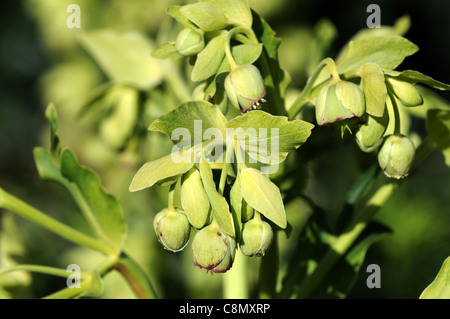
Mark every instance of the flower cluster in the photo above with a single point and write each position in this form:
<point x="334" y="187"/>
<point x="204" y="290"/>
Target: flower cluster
<point x="209" y="28"/>
<point x="370" y="99"/>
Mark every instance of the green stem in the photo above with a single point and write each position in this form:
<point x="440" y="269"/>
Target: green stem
<point x="397" y="126"/>
<point x="340" y="246"/>
<point x="12" y="203"/>
<point x="225" y="166"/>
<point x="298" y="104"/>
<point x="235" y="32"/>
<point x="68" y="293"/>
<point x="136" y="277"/>
<point x="334" y="74"/>
<point x="171" y="196"/>
<point x="235" y="281"/>
<point x="303" y="98"/>
<point x="228" y="53"/>
<point x="39" y="269"/>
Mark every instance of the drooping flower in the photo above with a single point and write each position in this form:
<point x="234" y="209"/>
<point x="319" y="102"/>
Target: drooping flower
<point x="245" y="87"/>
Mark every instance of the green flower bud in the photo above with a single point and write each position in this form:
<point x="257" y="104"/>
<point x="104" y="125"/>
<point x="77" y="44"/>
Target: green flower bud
<point x="396" y="156"/>
<point x="213" y="250"/>
<point x="256" y="238"/>
<point x="189" y="42"/>
<point x="405" y="92"/>
<point x="370" y="135"/>
<point x="245" y="87"/>
<point x="172" y="229"/>
<point x="340" y="103"/>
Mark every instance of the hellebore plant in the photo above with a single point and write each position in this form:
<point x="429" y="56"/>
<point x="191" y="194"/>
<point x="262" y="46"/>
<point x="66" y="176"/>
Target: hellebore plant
<point x="227" y="196"/>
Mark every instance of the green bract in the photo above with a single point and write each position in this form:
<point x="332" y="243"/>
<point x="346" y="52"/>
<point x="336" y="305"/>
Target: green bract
<point x="213" y="250"/>
<point x="396" y="156"/>
<point x="405" y="92"/>
<point x="341" y="101"/>
<point x="205" y="16"/>
<point x="245" y="87"/>
<point x="172" y="229"/>
<point x="194" y="199"/>
<point x="369" y="135"/>
<point x="189" y="42"/>
<point x="256" y="238"/>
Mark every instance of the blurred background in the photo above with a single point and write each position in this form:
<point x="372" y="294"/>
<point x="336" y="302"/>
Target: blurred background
<point x="42" y="61"/>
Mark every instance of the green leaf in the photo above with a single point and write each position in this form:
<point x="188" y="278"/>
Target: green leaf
<point x="374" y="88"/>
<point x="166" y="51"/>
<point x="400" y="27"/>
<point x="125" y="57"/>
<point x="417" y="77"/>
<point x="276" y="79"/>
<point x="52" y="118"/>
<point x="263" y="195"/>
<point x="313" y="244"/>
<point x="204" y="15"/>
<point x="440" y="287"/>
<point x="209" y="59"/>
<point x="431" y="100"/>
<point x="237" y="11"/>
<point x="219" y="205"/>
<point x="340" y="280"/>
<point x="48" y="166"/>
<point x="194" y="199"/>
<point x="236" y="198"/>
<point x="243" y="54"/>
<point x="14" y="251"/>
<point x="175" y="12"/>
<point x="256" y="133"/>
<point x="117" y="128"/>
<point x="164" y="170"/>
<point x="191" y="120"/>
<point x="388" y="52"/>
<point x="101" y="210"/>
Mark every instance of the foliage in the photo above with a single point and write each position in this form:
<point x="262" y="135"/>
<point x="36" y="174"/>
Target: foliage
<point x="245" y="146"/>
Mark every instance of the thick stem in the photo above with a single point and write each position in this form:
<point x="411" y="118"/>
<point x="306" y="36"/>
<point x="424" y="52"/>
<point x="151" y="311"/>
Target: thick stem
<point x="268" y="272"/>
<point x="11" y="203"/>
<point x="171" y="197"/>
<point x="226" y="164"/>
<point x="235" y="281"/>
<point x="397" y="124"/>
<point x="228" y="53"/>
<point x="136" y="277"/>
<point x="303" y="98"/>
<point x="235" y="32"/>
